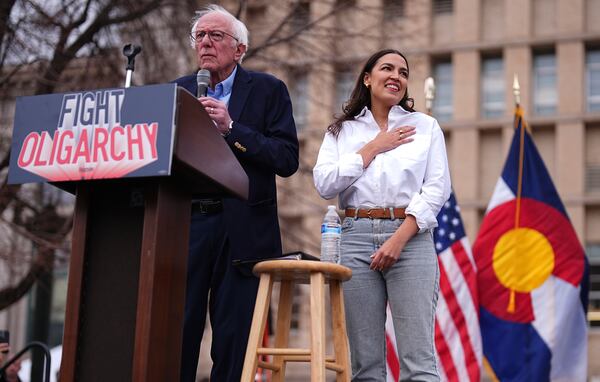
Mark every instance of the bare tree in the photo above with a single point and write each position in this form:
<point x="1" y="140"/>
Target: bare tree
<point x="40" y="41"/>
<point x="67" y="45"/>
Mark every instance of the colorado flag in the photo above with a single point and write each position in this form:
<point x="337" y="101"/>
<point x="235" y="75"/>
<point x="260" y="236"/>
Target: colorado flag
<point x="530" y="270"/>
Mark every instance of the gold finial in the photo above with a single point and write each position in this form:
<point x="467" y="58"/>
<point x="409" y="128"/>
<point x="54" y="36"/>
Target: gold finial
<point x="516" y="89"/>
<point x="429" y="90"/>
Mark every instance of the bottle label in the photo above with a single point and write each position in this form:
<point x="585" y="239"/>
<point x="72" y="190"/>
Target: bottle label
<point x="335" y="229"/>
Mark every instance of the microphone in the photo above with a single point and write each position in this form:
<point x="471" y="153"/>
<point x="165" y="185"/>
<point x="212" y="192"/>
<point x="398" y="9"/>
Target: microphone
<point x="203" y="79"/>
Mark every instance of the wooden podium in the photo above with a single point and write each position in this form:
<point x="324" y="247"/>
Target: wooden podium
<point x="127" y="275"/>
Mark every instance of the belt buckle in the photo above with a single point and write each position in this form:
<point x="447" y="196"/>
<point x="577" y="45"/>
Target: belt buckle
<point x="369" y="211"/>
<point x="197" y="207"/>
<point x="206" y="207"/>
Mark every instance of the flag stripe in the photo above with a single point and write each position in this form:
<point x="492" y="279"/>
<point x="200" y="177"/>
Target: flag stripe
<point x="459" y="320"/>
<point x="460" y="281"/>
<point x="467" y="270"/>
<point x="466" y="297"/>
<point x="559" y="299"/>
<point x="392" y="358"/>
<point x="450" y="333"/>
<point x="444" y="355"/>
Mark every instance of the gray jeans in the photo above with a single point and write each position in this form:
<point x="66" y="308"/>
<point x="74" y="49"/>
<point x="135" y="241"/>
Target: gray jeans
<point x="410" y="286"/>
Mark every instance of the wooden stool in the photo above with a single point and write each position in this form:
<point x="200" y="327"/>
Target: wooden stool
<point x="316" y="274"/>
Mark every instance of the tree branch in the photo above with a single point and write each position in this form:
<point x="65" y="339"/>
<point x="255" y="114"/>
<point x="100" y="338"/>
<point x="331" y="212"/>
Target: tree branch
<point x="6" y="7"/>
<point x="271" y="40"/>
<point x="12" y="294"/>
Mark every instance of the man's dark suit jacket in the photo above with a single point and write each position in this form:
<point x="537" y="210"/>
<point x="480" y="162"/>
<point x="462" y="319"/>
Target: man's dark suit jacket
<point x="264" y="140"/>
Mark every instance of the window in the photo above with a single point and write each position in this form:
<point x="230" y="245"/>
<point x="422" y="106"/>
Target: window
<point x="491" y="158"/>
<point x="442" y="103"/>
<point x="299" y="96"/>
<point x="593" y="79"/>
<point x="442" y="6"/>
<point x="544" y="84"/>
<point x="592" y="250"/>
<point x="344" y="83"/>
<point x="393" y="9"/>
<point x="545" y="141"/>
<point x="592" y="159"/>
<point x="492" y="87"/>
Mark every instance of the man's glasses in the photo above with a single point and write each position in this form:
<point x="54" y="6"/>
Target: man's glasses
<point x="214" y="36"/>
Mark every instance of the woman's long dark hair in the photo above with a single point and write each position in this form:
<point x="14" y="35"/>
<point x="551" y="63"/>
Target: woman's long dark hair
<point x="361" y="95"/>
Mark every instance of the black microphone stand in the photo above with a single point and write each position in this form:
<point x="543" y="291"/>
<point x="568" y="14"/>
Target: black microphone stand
<point x="130" y="51"/>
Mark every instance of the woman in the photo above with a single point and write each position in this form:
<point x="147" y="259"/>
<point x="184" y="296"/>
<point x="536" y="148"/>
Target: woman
<point x="387" y="163"/>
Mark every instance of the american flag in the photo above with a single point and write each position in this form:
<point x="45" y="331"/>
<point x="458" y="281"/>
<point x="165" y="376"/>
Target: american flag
<point x="457" y="335"/>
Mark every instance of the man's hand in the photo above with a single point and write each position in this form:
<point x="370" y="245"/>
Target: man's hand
<point x="218" y="112"/>
<point x="4" y="349"/>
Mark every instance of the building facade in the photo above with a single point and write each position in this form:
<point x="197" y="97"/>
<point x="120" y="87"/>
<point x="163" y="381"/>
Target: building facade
<point x="473" y="49"/>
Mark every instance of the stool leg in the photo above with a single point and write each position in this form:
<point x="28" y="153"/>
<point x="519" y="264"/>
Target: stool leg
<point x="317" y="327"/>
<point x="258" y="327"/>
<point x="282" y="331"/>
<point x="340" y="340"/>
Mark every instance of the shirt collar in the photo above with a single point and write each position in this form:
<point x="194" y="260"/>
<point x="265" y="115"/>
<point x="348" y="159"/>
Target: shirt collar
<point x="395" y="109"/>
<point x="223" y="88"/>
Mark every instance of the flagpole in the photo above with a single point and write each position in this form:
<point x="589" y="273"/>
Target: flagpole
<point x="518" y="122"/>
<point x="516" y="90"/>
<point x="518" y="118"/>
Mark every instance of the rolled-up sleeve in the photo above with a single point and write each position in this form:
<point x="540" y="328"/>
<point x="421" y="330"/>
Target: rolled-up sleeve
<point x="333" y="173"/>
<point x="426" y="204"/>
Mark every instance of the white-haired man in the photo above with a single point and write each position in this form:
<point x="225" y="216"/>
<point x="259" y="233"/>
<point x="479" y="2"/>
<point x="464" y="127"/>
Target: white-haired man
<point x="253" y="112"/>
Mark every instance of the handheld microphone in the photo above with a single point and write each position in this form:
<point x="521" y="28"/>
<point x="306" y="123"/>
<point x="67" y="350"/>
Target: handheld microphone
<point x="203" y="79"/>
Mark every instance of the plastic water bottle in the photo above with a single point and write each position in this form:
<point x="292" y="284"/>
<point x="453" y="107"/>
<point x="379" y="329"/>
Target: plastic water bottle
<point x="331" y="234"/>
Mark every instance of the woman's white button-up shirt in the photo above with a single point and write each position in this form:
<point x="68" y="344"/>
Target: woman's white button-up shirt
<point x="414" y="175"/>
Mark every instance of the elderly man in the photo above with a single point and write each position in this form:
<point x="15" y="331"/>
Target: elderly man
<point x="253" y="112"/>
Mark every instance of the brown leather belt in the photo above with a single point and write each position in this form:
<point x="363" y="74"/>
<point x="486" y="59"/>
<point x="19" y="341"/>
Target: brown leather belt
<point x="376" y="213"/>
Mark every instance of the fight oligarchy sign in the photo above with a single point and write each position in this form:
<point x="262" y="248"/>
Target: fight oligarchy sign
<point x="99" y="134"/>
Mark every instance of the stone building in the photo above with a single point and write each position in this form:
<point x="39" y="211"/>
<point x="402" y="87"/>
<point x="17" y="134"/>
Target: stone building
<point x="472" y="48"/>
